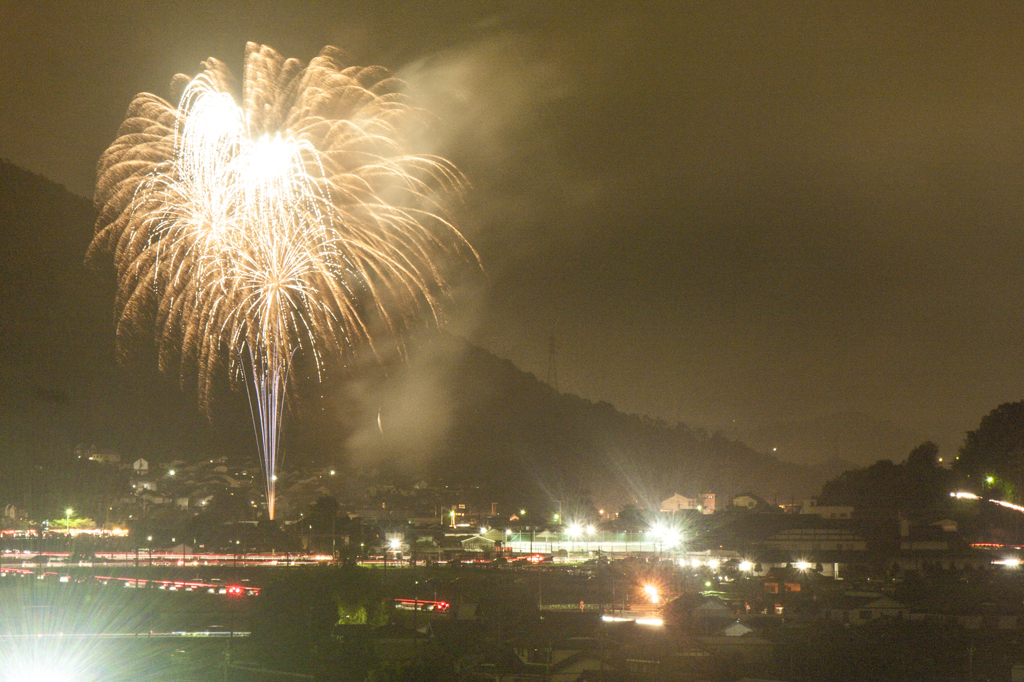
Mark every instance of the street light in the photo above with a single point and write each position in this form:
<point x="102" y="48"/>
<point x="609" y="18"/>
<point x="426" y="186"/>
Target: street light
<point x="574" y="533"/>
<point x="659" y="532"/>
<point x="393" y="544"/>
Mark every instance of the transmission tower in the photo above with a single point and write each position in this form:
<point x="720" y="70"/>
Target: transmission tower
<point x="553" y="363"/>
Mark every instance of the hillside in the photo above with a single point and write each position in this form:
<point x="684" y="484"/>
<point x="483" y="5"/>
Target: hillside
<point x="60" y="385"/>
<point x="509" y="421"/>
<point x="452" y="410"/>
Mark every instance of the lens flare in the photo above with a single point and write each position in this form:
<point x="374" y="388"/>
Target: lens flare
<point x="296" y="223"/>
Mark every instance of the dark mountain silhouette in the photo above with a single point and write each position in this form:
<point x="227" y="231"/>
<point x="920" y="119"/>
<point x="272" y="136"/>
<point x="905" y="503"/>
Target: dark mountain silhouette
<point x="60" y="385"/>
<point x="510" y="423"/>
<point x="452" y="410"/>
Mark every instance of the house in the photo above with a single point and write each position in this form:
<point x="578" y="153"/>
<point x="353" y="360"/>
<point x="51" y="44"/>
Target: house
<point x="427" y="545"/>
<point x="752" y="502"/>
<point x="780" y="580"/>
<point x="826" y="511"/>
<point x="713" y="613"/>
<point x="105" y="457"/>
<point x="140" y="466"/>
<point x="478" y="543"/>
<point x="704" y="503"/>
<point x="568" y="659"/>
<point x="200" y="498"/>
<point x="737" y="629"/>
<point x="858" y="608"/>
<point x="816" y="539"/>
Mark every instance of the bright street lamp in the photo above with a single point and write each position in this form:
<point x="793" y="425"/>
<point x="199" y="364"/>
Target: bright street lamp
<point x="574" y="531"/>
<point x="67" y="519"/>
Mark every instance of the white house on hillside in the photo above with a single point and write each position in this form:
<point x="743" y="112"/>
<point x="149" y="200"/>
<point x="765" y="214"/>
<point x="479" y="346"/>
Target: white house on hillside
<point x="704" y="502"/>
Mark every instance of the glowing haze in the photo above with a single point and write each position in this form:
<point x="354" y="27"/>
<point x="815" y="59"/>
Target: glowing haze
<point x="296" y="223"/>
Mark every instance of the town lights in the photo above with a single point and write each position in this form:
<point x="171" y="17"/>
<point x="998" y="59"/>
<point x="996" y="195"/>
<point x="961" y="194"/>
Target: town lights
<point x="802" y="565"/>
<point x="652" y="593"/>
<point x="667" y="537"/>
<point x="746" y="566"/>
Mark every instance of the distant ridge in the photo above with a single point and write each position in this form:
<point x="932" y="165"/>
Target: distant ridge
<point x="597" y="447"/>
<point x="505" y="425"/>
<point x="852" y="438"/>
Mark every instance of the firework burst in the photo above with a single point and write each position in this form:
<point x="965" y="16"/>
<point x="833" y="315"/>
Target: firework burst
<point x="291" y="223"/>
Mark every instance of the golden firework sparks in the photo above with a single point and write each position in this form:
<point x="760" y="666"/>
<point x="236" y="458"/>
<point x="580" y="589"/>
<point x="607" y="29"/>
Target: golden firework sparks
<point x="243" y="234"/>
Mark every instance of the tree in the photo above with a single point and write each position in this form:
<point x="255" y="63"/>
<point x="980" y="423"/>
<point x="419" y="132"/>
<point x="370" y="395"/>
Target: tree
<point x="995" y="450"/>
<point x="323" y="515"/>
<point x="924" y="456"/>
<point x="630" y="519"/>
<point x="917" y="489"/>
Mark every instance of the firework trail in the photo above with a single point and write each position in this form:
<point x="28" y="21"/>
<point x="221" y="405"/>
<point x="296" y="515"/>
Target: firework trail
<point x="291" y="223"/>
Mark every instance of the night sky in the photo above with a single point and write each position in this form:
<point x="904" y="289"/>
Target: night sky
<point x="725" y="213"/>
